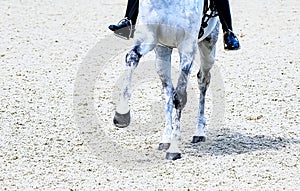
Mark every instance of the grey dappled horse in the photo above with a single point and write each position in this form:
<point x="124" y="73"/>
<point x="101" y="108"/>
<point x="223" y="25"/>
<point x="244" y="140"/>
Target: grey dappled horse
<point x="164" y="25"/>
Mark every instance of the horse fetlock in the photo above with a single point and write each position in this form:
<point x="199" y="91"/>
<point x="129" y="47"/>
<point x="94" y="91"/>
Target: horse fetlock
<point x="201" y="123"/>
<point x="201" y="128"/>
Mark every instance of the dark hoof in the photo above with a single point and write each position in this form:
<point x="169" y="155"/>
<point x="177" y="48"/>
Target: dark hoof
<point x="122" y="120"/>
<point x="173" y="156"/>
<point x="197" y="139"/>
<point x="163" y="146"/>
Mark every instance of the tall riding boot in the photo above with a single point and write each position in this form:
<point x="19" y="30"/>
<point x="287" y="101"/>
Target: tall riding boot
<point x="231" y="42"/>
<point x="125" y="27"/>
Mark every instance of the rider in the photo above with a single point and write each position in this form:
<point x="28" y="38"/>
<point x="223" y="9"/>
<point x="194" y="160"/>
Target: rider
<point x="231" y="42"/>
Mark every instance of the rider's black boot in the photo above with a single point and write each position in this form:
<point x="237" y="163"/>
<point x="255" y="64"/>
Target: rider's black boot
<point x="231" y="42"/>
<point x="123" y="29"/>
<point x="123" y="23"/>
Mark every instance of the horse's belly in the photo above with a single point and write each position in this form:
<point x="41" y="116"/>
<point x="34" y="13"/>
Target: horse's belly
<point x="170" y="35"/>
<point x="170" y="22"/>
<point x="184" y="14"/>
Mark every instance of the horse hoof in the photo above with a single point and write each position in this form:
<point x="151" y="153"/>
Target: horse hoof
<point x="173" y="156"/>
<point x="122" y="120"/>
<point x="163" y="146"/>
<point x="197" y="139"/>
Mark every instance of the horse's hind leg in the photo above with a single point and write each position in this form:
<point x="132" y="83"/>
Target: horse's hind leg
<point x="145" y="42"/>
<point x="163" y="68"/>
<point x="207" y="49"/>
<point x="187" y="52"/>
<point x="122" y="115"/>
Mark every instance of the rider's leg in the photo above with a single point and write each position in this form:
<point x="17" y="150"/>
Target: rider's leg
<point x="131" y="14"/>
<point x="132" y="10"/>
<point x="230" y="40"/>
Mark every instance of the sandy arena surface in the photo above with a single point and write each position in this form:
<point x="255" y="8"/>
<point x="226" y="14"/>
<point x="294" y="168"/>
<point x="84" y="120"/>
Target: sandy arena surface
<point x="60" y="72"/>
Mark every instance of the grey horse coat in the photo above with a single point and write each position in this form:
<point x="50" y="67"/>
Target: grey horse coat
<point x="164" y="25"/>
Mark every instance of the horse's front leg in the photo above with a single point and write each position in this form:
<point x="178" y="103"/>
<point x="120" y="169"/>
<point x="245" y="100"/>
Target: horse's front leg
<point x="163" y="68"/>
<point x="207" y="49"/>
<point x="122" y="114"/>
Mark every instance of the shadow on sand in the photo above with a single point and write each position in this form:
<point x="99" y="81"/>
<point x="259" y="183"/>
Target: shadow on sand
<point x="226" y="142"/>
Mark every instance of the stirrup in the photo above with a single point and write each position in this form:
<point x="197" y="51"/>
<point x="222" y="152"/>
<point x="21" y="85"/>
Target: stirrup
<point x="126" y="32"/>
